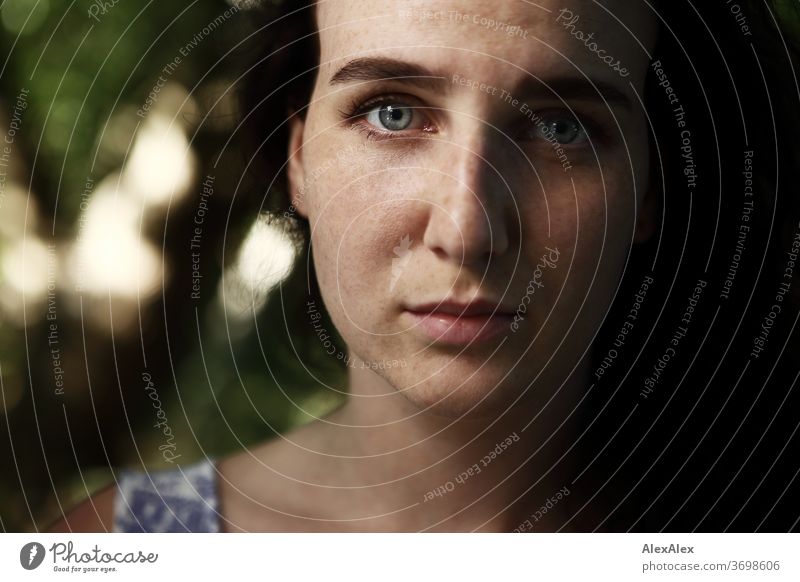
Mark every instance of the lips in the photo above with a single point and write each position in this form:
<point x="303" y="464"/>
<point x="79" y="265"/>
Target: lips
<point x="457" y="323"/>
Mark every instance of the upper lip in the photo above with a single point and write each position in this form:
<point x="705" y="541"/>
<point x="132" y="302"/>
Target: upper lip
<point x="462" y="308"/>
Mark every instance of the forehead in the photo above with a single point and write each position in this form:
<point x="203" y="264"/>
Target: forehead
<point x="491" y="38"/>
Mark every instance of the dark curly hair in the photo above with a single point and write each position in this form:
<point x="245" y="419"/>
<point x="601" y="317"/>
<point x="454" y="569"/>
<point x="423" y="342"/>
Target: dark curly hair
<point x="690" y="420"/>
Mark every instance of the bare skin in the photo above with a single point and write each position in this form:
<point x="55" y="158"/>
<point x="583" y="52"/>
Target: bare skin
<point x="479" y="195"/>
<point x="404" y="432"/>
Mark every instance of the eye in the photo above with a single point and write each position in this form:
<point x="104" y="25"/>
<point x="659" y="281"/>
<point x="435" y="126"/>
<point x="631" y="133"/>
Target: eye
<point x="560" y="129"/>
<point x="393" y="116"/>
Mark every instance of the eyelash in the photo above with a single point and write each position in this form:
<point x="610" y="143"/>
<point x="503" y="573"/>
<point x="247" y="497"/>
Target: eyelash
<point x="357" y="109"/>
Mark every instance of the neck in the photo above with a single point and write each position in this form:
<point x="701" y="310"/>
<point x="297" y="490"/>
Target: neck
<point x="427" y="472"/>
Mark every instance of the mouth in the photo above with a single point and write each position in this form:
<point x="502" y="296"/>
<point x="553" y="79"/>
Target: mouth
<point x="459" y="323"/>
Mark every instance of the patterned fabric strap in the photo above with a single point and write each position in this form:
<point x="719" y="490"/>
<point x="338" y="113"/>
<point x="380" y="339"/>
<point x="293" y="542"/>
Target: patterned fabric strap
<point x="177" y="500"/>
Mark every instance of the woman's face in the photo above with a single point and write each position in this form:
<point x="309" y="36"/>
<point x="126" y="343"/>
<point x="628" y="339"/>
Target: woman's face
<point x="474" y="173"/>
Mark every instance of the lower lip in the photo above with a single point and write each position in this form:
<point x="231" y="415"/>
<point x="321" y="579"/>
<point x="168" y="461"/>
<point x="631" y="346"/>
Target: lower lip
<point x="446" y="328"/>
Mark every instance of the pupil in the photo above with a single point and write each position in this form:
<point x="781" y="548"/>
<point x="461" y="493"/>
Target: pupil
<point x="563" y="131"/>
<point x="394" y="117"/>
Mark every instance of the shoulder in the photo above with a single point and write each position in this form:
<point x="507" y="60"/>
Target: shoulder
<point x="175" y="500"/>
<point x="94" y="515"/>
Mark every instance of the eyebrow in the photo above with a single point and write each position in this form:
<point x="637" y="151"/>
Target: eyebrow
<point x="580" y="89"/>
<point x="566" y="88"/>
<point x="384" y="69"/>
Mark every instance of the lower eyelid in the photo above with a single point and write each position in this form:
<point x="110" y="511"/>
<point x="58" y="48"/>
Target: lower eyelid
<point x="370" y="132"/>
<point x="359" y="122"/>
<point x="376" y="134"/>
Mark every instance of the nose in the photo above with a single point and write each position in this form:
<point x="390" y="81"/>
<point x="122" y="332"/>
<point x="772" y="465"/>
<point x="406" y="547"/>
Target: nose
<point x="468" y="217"/>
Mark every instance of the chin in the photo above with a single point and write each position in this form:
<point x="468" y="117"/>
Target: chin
<point x="478" y="398"/>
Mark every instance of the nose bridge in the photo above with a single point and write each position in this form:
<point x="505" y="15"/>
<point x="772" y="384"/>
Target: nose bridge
<point x="467" y="221"/>
<point x="473" y="167"/>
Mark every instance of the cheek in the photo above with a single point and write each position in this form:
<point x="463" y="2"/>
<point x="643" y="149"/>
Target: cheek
<point x="591" y="226"/>
<point x="360" y="217"/>
<point x="586" y="211"/>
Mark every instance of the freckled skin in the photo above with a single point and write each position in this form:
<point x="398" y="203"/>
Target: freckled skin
<point x="478" y="205"/>
<point x="477" y="200"/>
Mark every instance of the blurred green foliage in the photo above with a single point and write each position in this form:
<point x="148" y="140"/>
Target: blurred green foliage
<point x="224" y="380"/>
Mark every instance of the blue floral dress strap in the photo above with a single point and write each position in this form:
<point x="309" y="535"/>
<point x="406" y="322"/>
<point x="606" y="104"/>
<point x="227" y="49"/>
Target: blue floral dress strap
<point x="179" y="500"/>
